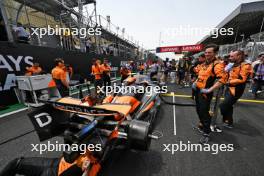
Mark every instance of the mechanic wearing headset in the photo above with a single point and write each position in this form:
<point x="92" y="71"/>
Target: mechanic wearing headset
<point x="210" y="77"/>
<point x="238" y="73"/>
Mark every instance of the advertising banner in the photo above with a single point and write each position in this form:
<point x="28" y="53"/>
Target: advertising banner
<point x="14" y="58"/>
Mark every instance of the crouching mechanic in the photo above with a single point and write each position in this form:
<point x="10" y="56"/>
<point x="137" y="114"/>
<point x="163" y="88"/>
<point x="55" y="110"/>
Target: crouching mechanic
<point x="51" y="167"/>
<point x="238" y="75"/>
<point x="211" y="76"/>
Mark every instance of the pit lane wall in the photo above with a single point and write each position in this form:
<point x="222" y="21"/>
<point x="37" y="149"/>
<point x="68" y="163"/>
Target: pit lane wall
<point x="15" y="57"/>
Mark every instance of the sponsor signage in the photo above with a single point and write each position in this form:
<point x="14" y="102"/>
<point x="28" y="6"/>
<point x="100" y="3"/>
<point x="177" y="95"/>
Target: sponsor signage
<point x="180" y="49"/>
<point x="15" y="58"/>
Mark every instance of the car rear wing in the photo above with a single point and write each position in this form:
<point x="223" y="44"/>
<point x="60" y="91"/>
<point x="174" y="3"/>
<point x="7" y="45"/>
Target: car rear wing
<point x="80" y="108"/>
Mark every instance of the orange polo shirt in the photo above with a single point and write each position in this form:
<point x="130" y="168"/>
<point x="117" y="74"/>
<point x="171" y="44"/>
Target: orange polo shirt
<point x="33" y="70"/>
<point x="58" y="73"/>
<point x="106" y="68"/>
<point x="97" y="71"/>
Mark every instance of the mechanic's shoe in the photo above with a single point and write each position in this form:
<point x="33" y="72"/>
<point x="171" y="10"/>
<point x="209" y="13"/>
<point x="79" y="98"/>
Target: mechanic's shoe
<point x="198" y="128"/>
<point x="216" y="129"/>
<point x="204" y="139"/>
<point x="227" y="125"/>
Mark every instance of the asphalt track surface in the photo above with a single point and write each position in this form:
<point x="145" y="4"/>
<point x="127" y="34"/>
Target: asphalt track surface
<point x="247" y="159"/>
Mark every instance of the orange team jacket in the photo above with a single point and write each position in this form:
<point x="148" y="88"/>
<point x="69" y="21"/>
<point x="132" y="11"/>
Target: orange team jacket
<point x="239" y="75"/>
<point x="124" y="72"/>
<point x="58" y="73"/>
<point x="106" y="68"/>
<point x="197" y="69"/>
<point x="208" y="73"/>
<point x="33" y="70"/>
<point x="97" y="71"/>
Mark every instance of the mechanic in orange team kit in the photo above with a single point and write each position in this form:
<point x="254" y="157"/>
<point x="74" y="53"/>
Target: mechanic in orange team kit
<point x="238" y="74"/>
<point x="201" y="60"/>
<point x="97" y="72"/>
<point x="196" y="68"/>
<point x="124" y="72"/>
<point x="210" y="77"/>
<point x="106" y="73"/>
<point x="33" y="70"/>
<point x="60" y="77"/>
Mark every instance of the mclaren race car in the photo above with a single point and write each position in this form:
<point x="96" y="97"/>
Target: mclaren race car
<point x="122" y="119"/>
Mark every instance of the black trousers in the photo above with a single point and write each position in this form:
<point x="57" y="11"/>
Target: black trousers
<point x="123" y="78"/>
<point x="181" y="75"/>
<point x="32" y="167"/>
<point x="107" y="80"/>
<point x="152" y="74"/>
<point x="202" y="108"/>
<point x="257" y="86"/>
<point x="64" y="91"/>
<point x="98" y="83"/>
<point x="87" y="49"/>
<point x="226" y="107"/>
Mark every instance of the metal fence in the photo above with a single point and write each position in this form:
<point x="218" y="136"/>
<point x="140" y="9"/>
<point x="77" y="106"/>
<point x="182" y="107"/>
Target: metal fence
<point x="31" y="18"/>
<point x="252" y="46"/>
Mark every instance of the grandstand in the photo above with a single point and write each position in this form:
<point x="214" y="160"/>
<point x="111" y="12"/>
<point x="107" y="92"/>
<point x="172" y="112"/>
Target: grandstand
<point x="247" y="20"/>
<point x="70" y="14"/>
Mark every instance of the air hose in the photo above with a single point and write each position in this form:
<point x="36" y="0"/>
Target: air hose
<point x="175" y="103"/>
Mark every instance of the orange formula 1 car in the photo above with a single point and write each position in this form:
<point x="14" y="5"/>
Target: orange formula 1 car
<point x="121" y="120"/>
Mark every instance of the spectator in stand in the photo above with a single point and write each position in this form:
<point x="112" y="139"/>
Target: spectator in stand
<point x="111" y="50"/>
<point x="88" y="45"/>
<point x="21" y="34"/>
<point x="104" y="49"/>
<point x="258" y="75"/>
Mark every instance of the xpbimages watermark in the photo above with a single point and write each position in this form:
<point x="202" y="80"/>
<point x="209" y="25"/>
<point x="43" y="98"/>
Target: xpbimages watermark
<point x="59" y="147"/>
<point x="183" y="30"/>
<point x="116" y="89"/>
<point x="190" y="147"/>
<point x="81" y="32"/>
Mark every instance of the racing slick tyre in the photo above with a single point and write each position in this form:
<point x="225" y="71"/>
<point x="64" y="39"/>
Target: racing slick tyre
<point x="138" y="135"/>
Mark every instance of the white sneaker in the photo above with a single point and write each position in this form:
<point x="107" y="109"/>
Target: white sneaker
<point x="215" y="129"/>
